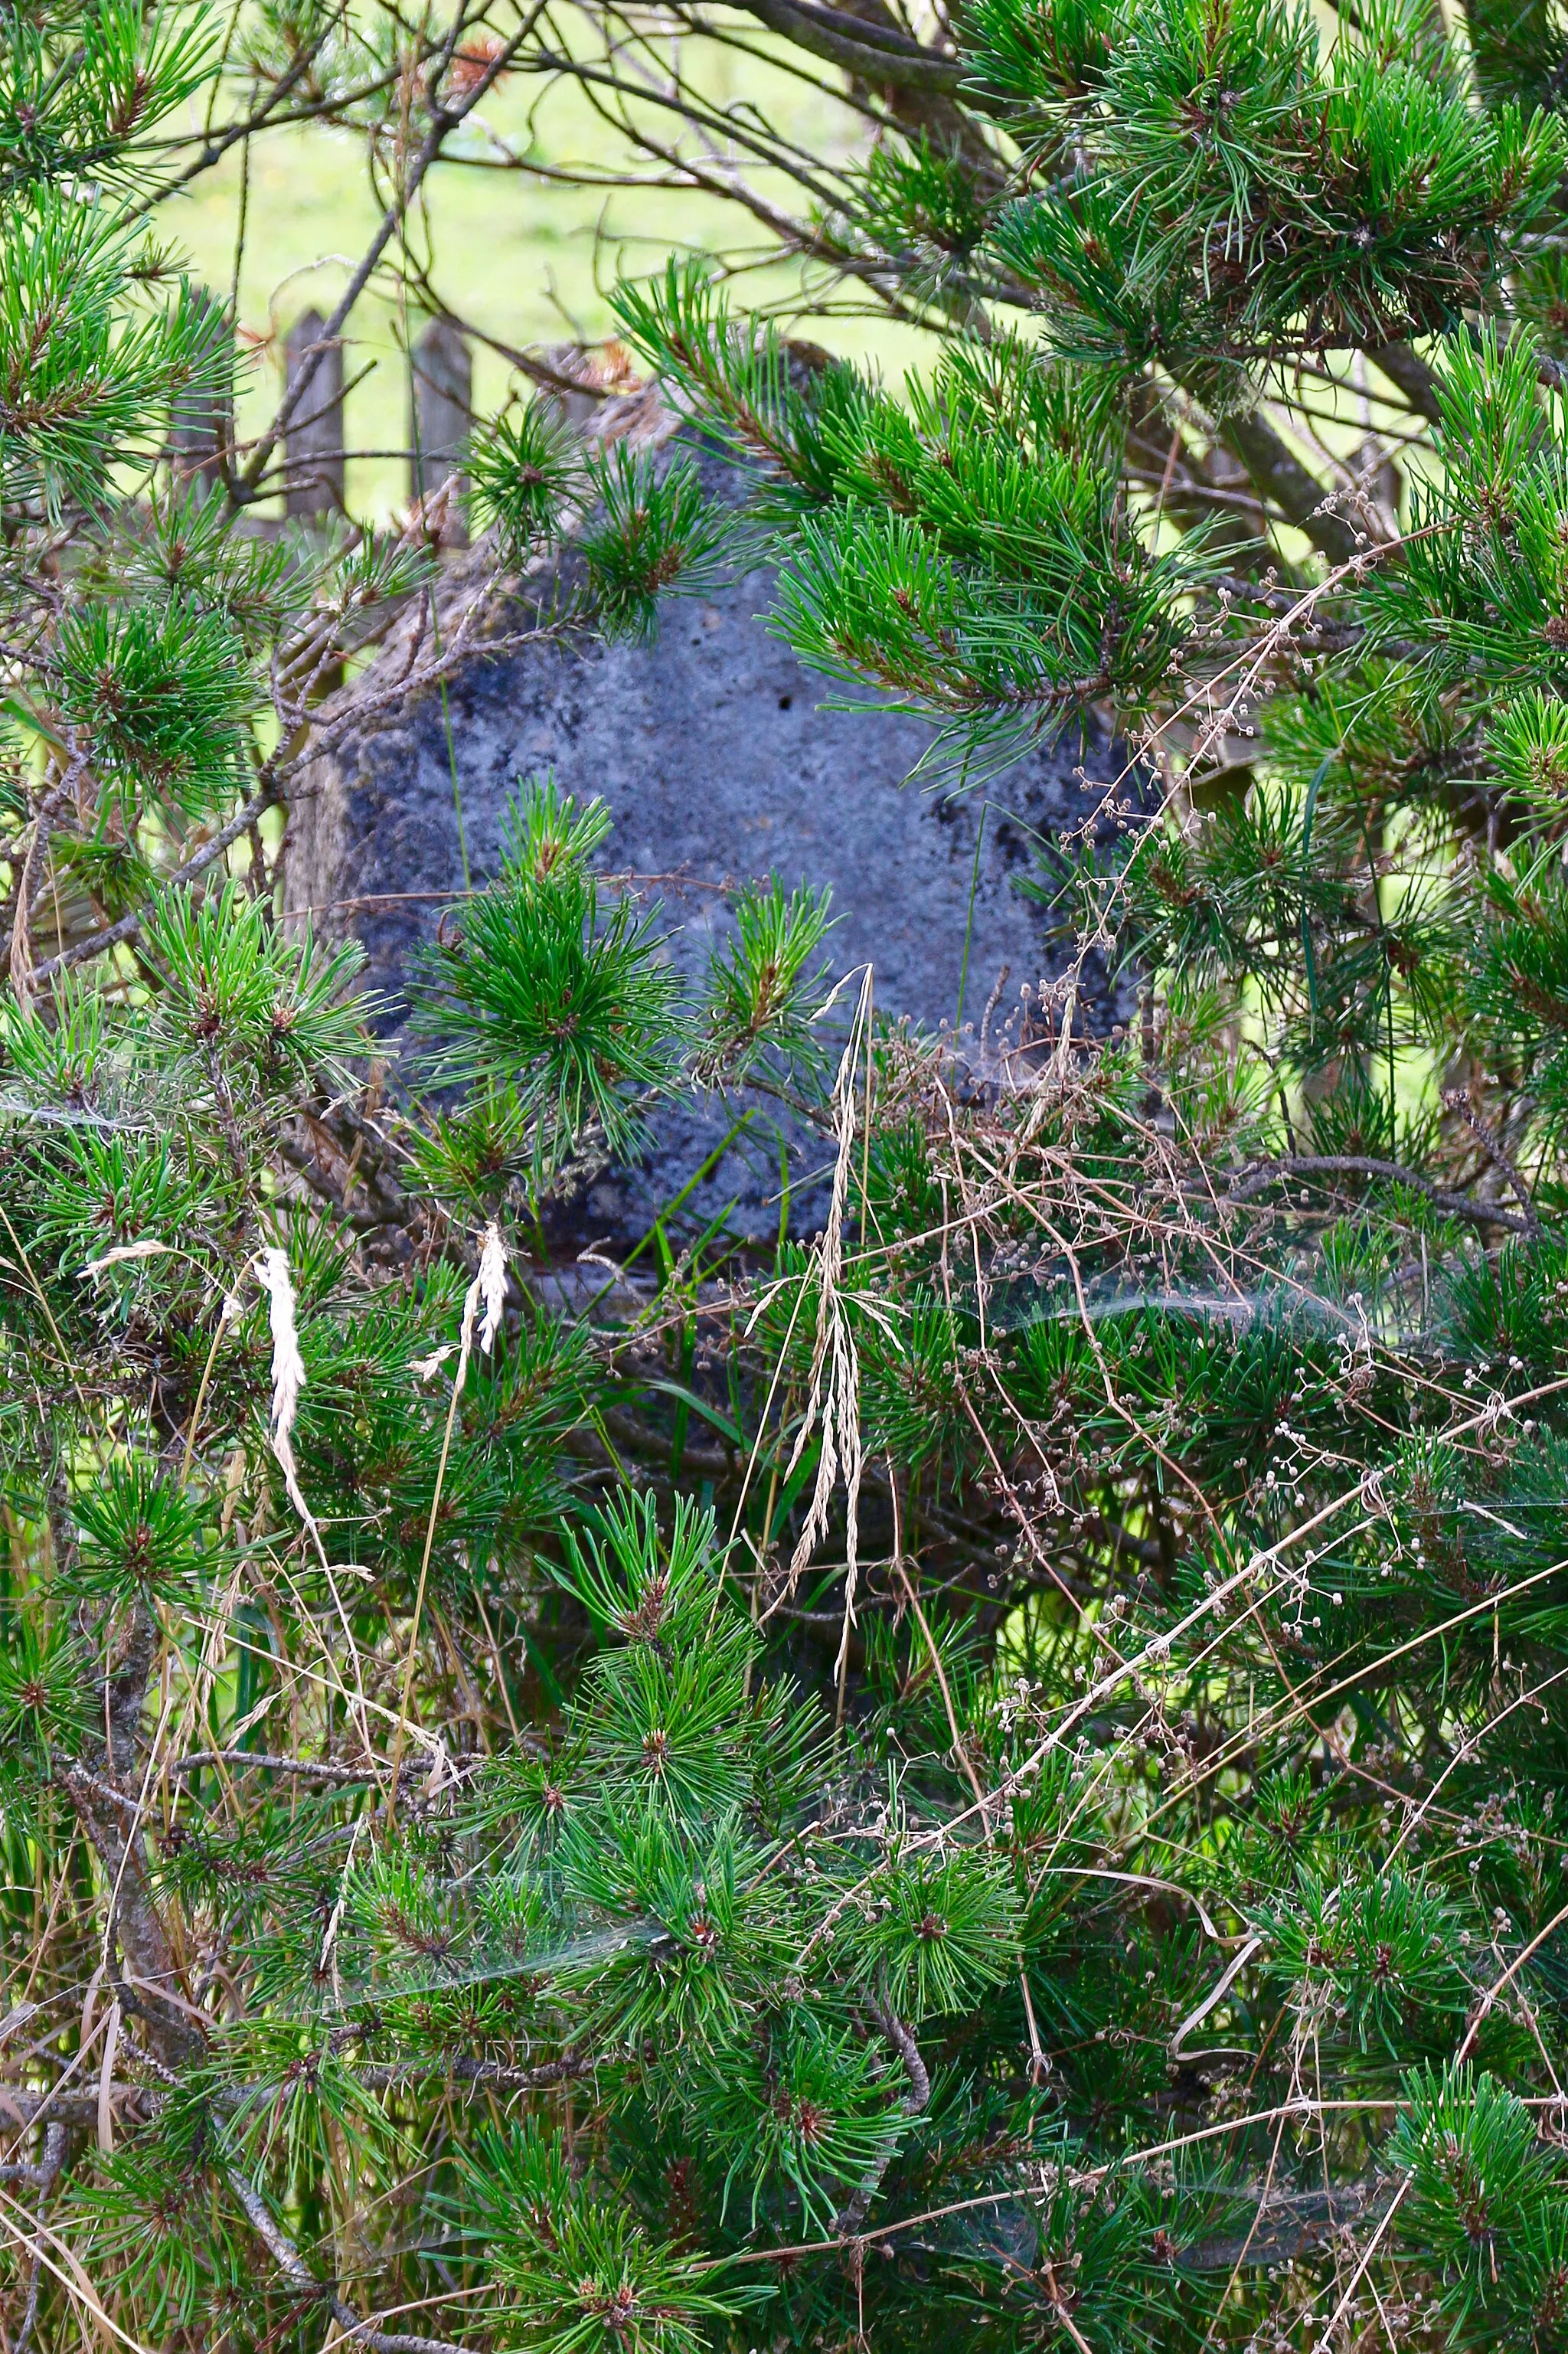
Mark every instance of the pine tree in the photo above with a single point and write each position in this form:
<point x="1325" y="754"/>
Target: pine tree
<point x="987" y="1777"/>
<point x="1263" y="1294"/>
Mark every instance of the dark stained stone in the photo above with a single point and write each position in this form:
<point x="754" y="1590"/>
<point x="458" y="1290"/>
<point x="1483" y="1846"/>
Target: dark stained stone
<point x="719" y="763"/>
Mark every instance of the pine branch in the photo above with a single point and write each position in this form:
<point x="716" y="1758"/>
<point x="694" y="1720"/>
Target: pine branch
<point x="299" y="2277"/>
<point x="852" y="2213"/>
<point x="1250" y="1185"/>
<point x="129" y="928"/>
<point x="115" y="1831"/>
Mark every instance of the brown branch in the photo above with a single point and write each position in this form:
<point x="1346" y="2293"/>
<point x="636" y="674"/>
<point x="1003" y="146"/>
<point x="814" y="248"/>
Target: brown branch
<point x="444" y="119"/>
<point x="1359" y="1164"/>
<point x="72" y="2108"/>
<point x="852" y="2213"/>
<point x="492" y="2074"/>
<point x="129" y="928"/>
<point x="845" y="41"/>
<point x="1297" y="494"/>
<point x="115" y="1831"/>
<point x="298" y="2275"/>
<point x="1409" y="372"/>
<point x="277" y="773"/>
<point x="1455" y="1099"/>
<point x="44" y="2176"/>
<point x="308" y="1769"/>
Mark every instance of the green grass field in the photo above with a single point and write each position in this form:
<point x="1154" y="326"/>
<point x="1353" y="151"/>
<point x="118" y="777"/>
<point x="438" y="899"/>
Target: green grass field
<point x="525" y="256"/>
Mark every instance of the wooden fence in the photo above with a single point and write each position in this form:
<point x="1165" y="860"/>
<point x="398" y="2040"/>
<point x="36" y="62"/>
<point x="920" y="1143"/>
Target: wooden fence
<point x="314" y="463"/>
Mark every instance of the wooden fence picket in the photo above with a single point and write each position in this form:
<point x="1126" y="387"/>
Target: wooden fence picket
<point x="442" y="412"/>
<point x="316" y="483"/>
<point x="201" y="429"/>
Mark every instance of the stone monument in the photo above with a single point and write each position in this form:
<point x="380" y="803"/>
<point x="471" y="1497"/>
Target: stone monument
<point x="721" y="760"/>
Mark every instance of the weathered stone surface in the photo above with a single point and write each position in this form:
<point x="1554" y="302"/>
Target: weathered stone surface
<point x="719" y="763"/>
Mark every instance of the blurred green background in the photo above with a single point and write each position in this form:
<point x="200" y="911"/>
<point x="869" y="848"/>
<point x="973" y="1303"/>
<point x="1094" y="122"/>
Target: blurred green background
<point x="524" y="250"/>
